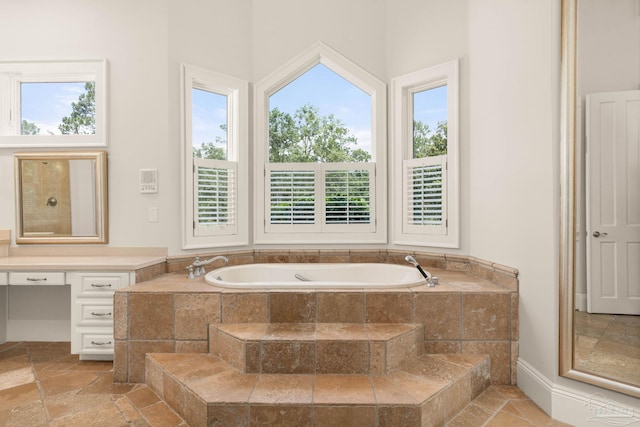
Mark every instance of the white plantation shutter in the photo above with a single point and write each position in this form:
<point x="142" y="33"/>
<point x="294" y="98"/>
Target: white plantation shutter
<point x="425" y="188"/>
<point x="316" y="197"/>
<point x="215" y="197"/>
<point x="349" y="196"/>
<point x="292" y="196"/>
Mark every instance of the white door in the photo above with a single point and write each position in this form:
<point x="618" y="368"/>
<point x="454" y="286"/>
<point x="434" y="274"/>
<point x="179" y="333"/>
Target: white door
<point x="613" y="202"/>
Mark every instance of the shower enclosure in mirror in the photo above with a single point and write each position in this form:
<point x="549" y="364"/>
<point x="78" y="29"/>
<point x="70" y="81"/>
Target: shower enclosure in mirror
<point x="61" y="197"/>
<point x="600" y="200"/>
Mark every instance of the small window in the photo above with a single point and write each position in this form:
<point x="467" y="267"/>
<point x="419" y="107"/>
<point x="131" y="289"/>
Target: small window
<point x="53" y="104"/>
<point x="426" y="211"/>
<point x="215" y="147"/>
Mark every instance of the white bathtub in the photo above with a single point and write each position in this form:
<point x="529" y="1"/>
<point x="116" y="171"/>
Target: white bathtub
<point x="343" y="276"/>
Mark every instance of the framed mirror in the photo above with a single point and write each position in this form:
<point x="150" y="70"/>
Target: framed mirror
<point x="600" y="207"/>
<point x="61" y="197"/>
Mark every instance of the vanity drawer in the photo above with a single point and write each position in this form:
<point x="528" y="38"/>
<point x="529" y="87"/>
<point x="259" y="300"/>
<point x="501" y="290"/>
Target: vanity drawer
<point x="3" y="278"/>
<point x="96" y="343"/>
<point x="100" y="284"/>
<point x="37" y="278"/>
<point x="97" y="314"/>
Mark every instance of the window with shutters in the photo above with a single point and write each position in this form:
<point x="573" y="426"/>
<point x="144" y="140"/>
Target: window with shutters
<point x="425" y="128"/>
<point x="320" y="140"/>
<point x="215" y="159"/>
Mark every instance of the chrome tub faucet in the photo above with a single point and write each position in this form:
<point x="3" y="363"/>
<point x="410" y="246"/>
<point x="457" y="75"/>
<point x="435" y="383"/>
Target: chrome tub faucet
<point x="431" y="280"/>
<point x="197" y="268"/>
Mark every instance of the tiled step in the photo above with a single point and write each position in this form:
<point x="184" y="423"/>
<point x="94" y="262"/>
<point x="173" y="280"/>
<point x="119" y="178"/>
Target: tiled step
<point x="322" y="348"/>
<point x="205" y="390"/>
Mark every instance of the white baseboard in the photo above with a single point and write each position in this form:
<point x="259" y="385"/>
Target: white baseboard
<point x="581" y="302"/>
<point x="575" y="407"/>
<point x="38" y="330"/>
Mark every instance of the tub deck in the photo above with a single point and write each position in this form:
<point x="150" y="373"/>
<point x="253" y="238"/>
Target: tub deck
<point x="465" y="314"/>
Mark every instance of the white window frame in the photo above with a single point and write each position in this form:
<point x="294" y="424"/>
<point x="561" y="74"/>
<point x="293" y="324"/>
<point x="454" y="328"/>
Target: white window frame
<point x="235" y="233"/>
<point x="376" y="231"/>
<point x="12" y="74"/>
<point x="403" y="88"/>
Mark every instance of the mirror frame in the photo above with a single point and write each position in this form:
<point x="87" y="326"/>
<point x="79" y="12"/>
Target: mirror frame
<point x="568" y="211"/>
<point x="102" y="211"/>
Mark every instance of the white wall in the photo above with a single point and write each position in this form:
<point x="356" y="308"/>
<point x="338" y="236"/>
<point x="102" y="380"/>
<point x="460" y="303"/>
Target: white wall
<point x="422" y="34"/>
<point x="133" y="37"/>
<point x="282" y="29"/>
<point x="514" y="158"/>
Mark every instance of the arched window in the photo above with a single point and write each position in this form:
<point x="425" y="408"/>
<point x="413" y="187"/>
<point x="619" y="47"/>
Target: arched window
<point x="321" y="144"/>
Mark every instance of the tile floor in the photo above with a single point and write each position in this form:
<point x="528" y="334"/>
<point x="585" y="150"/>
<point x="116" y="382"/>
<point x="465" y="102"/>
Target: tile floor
<point x="41" y="384"/>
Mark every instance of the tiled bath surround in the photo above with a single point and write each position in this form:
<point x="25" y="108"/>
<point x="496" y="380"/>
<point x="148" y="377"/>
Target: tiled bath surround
<point x="474" y="310"/>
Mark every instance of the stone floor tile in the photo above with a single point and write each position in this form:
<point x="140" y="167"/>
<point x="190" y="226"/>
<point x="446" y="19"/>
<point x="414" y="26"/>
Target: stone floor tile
<point x="65" y="381"/>
<point x="16" y="377"/>
<point x="101" y="416"/>
<point x="504" y="419"/>
<point x="20" y="395"/>
<point x="31" y="414"/>
<point x="472" y="415"/>
<point x="142" y="396"/>
<point x="160" y="415"/>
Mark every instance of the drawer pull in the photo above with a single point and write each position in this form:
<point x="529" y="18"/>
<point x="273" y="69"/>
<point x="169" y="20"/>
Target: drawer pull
<point x="101" y="343"/>
<point x="37" y="279"/>
<point x="100" y="314"/>
<point x="100" y="285"/>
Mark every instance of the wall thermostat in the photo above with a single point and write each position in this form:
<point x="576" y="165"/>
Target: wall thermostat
<point x="148" y="180"/>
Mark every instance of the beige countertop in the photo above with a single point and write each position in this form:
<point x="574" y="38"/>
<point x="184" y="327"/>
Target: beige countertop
<point x="70" y="263"/>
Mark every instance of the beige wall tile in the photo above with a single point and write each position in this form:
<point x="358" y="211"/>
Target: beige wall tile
<point x="231" y="350"/>
<point x="121" y="361"/>
<point x="331" y="416"/>
<point x="394" y="416"/>
<point x="486" y="316"/>
<point x="136" y="356"/>
<point x="500" y="352"/>
<point x="192" y="346"/>
<point x="440" y="314"/>
<point x="293" y="307"/>
<point x="302" y="256"/>
<point x="174" y="394"/>
<point x="151" y="316"/>
<point x="194" y="312"/>
<point x="285" y="415"/>
<point x="233" y="415"/>
<point x="195" y="408"/>
<point x="292" y="357"/>
<point x="341" y="307"/>
<point x="154" y="377"/>
<point x="388" y="307"/>
<point x="245" y="308"/>
<point x="456" y="397"/>
<point x="446" y="347"/>
<point x="121" y="316"/>
<point x="342" y="357"/>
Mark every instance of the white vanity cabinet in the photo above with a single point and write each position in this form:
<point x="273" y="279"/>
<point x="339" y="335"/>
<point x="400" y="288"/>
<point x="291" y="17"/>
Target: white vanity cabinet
<point x="92" y="311"/>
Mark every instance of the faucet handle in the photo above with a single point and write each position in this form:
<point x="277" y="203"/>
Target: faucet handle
<point x="190" y="269"/>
